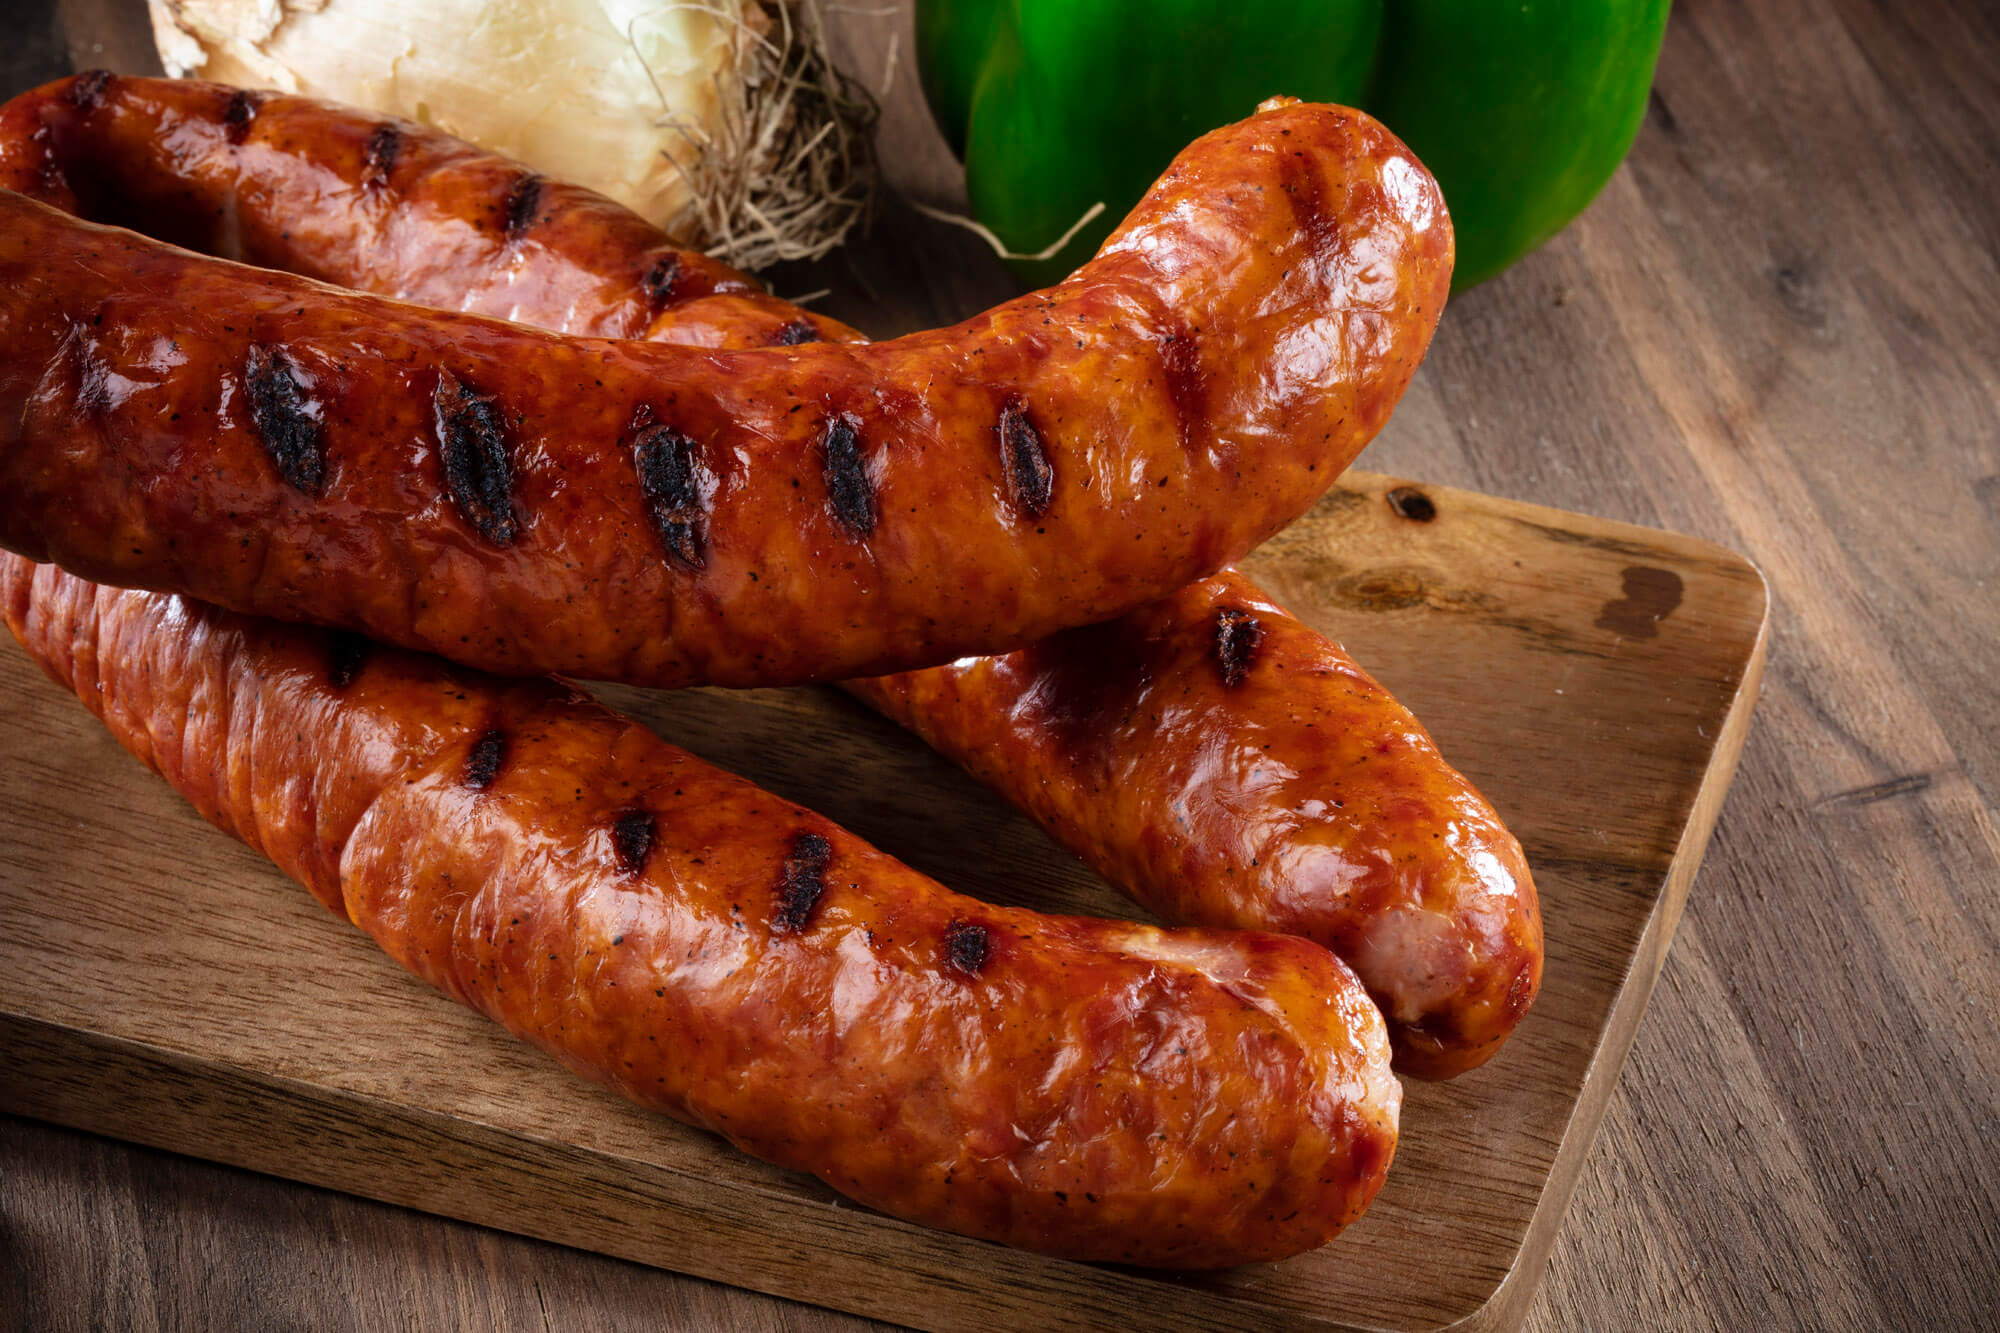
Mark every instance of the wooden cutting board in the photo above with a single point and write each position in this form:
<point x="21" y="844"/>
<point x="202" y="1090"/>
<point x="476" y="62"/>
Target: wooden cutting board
<point x="161" y="983"/>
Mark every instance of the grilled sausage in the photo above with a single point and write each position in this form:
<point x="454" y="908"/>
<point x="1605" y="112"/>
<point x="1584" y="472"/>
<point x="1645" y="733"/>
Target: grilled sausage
<point x="1228" y="765"/>
<point x="1090" y="1089"/>
<point x="1213" y="755"/>
<point x="373" y="203"/>
<point x="522" y="501"/>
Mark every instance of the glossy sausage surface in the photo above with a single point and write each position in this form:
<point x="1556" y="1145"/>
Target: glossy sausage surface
<point x="1228" y="765"/>
<point x="666" y="515"/>
<point x="373" y="203"/>
<point x="1286" y="791"/>
<point x="1091" y="1089"/>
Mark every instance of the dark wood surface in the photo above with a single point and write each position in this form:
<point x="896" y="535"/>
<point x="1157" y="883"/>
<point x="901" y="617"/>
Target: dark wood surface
<point x="1779" y="329"/>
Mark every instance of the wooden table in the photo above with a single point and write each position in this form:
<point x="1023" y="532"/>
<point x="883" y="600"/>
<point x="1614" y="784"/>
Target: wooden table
<point x="1778" y="329"/>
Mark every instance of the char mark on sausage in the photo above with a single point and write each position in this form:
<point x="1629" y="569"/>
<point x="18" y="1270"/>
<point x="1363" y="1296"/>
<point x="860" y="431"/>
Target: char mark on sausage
<point x="482" y="764"/>
<point x="670" y="477"/>
<point x="966" y="947"/>
<point x="660" y="279"/>
<point x="286" y="418"/>
<point x="236" y="117"/>
<point x="1030" y="475"/>
<point x="632" y="839"/>
<point x="473" y="444"/>
<point x="1238" y="634"/>
<point x="849" y="492"/>
<point x="795" y="333"/>
<point x="89" y="88"/>
<point x="524" y="199"/>
<point x="378" y="160"/>
<point x="801" y="883"/>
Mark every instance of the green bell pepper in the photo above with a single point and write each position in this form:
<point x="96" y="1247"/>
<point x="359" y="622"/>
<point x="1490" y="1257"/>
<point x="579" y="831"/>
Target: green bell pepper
<point x="1521" y="108"/>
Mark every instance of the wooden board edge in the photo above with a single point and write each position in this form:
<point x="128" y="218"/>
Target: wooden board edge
<point x="1507" y="1308"/>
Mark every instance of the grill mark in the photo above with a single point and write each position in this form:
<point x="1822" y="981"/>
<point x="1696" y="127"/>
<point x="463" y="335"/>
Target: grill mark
<point x="346" y="655"/>
<point x="88" y="90"/>
<point x="523" y="198"/>
<point x="93" y="376"/>
<point x="632" y="839"/>
<point x="482" y="765"/>
<point x="849" y="493"/>
<point x="1238" y="635"/>
<point x="236" y="117"/>
<point x="1307" y="192"/>
<point x="801" y="882"/>
<point x="286" y="418"/>
<point x="473" y="445"/>
<point x="670" y="478"/>
<point x="385" y="145"/>
<point x="966" y="947"/>
<point x="1030" y="475"/>
<point x="660" y="280"/>
<point x="795" y="333"/>
<point x="1180" y="362"/>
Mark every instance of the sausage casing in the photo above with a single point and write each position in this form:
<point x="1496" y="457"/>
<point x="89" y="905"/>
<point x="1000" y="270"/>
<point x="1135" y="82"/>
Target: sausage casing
<point x="666" y="515"/>
<point x="372" y="203"/>
<point x="1226" y="764"/>
<point x="1092" y="1089"/>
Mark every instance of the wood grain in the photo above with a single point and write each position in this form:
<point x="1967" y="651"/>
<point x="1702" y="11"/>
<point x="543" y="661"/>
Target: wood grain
<point x="160" y="983"/>
<point x="1777" y="329"/>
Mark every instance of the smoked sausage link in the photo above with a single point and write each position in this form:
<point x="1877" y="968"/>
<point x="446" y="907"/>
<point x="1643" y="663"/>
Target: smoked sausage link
<point x="1226" y="764"/>
<point x="1089" y="1089"/>
<point x="666" y="515"/>
<point x="373" y="203"/>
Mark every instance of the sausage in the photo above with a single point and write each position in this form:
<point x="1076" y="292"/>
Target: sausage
<point x="1225" y="764"/>
<point x="1214" y="756"/>
<point x="1089" y="1089"/>
<point x="521" y="501"/>
<point x="373" y="203"/>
